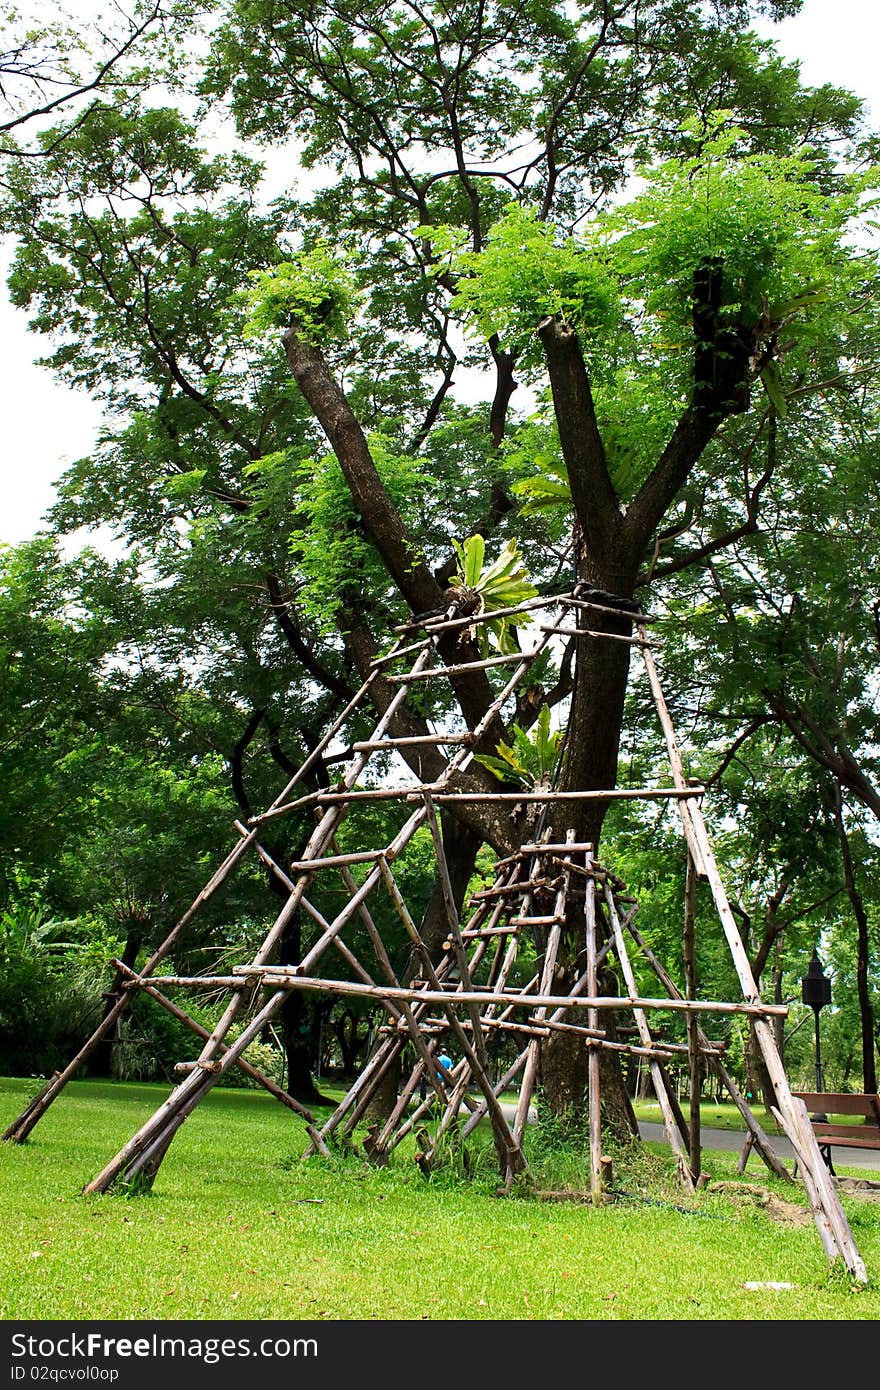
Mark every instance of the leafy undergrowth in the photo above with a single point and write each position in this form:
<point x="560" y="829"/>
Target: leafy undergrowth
<point x="238" y="1227"/>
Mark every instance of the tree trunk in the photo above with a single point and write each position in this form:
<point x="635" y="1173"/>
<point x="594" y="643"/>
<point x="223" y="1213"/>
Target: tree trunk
<point x="299" y="1026"/>
<point x="589" y="762"/>
<point x="610" y="544"/>
<point x="866" y="1011"/>
<point x="102" y="1062"/>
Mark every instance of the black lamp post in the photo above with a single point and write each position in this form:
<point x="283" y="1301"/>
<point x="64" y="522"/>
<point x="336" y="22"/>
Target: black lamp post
<point x="816" y="991"/>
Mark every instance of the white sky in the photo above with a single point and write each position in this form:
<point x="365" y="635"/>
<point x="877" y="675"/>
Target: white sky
<point x="46" y="426"/>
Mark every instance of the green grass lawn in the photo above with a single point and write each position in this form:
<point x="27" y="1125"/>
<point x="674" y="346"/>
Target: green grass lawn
<point x="238" y="1227"/>
<point x="712" y="1116"/>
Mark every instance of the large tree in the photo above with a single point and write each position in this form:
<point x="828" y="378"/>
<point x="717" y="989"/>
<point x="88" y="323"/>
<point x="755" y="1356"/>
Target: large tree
<point x="453" y="171"/>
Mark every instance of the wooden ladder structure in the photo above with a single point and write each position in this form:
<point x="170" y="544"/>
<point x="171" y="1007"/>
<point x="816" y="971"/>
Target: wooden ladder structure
<point x="543" y="891"/>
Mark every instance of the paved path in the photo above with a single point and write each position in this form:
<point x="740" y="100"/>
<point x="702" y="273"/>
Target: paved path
<point x="733" y="1140"/>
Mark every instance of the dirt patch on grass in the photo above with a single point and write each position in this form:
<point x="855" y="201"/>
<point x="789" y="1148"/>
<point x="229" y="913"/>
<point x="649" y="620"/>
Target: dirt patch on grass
<point x="752" y="1195"/>
<point x="866" y="1189"/>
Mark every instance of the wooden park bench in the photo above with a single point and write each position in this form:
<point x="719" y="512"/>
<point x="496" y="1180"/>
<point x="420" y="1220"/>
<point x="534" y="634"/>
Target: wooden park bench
<point x="862" y="1132"/>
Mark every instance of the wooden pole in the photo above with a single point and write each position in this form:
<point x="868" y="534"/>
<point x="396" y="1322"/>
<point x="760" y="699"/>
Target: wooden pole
<point x="695" y="1077"/>
<point x="489" y="615"/>
<point x="146" y="1146"/>
<point x="154" y="1137"/>
<point x="21" y="1127"/>
<point x="285" y="977"/>
<point x="376" y="1065"/>
<point x="478" y="1037"/>
<point x="551" y="951"/>
<point x="591" y="632"/>
<point x="795" y="1119"/>
<point x="505" y="1081"/>
<point x="759" y="1138"/>
<point x="673" y="1136"/>
<point x="410" y="794"/>
<point x="593" y="1064"/>
<point x="484" y="665"/>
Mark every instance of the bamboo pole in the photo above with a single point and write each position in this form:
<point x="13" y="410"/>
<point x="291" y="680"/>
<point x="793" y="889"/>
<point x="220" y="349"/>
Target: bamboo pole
<point x="673" y="1136"/>
<point x="575" y="602"/>
<point x="381" y="1058"/>
<point x="471" y="933"/>
<point x="551" y="951"/>
<point x="479" y="1042"/>
<point x="594" y="1111"/>
<point x="826" y="1231"/>
<point x="380" y="1144"/>
<point x="402" y="1016"/>
<point x="547" y="847"/>
<point x="450" y="624"/>
<point x="397" y="651"/>
<point x="387" y="966"/>
<point x="459" y="1079"/>
<point x="285" y="977"/>
<point x="675" y="760"/>
<point x="758" y="1136"/>
<point x="465" y="666"/>
<point x="369" y="1090"/>
<point x="690" y="974"/>
<point x="499" y="973"/>
<point x="152" y="1139"/>
<point x="591" y="632"/>
<point x="412" y="741"/>
<point x="373" y="1074"/>
<point x="756" y="1133"/>
<point x="570" y="600"/>
<point x="415" y="793"/>
<point x="795" y="1120"/>
<point x="499" y="1086"/>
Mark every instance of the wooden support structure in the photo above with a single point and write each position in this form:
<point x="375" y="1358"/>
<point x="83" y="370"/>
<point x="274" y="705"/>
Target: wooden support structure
<point x="464" y="996"/>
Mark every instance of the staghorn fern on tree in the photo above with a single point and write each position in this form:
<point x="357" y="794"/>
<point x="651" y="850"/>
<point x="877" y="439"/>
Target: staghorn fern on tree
<point x="532" y="758"/>
<point x="476" y="589"/>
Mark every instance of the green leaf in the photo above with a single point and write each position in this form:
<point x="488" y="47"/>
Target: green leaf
<point x="772" y="380"/>
<point x="474" y="551"/>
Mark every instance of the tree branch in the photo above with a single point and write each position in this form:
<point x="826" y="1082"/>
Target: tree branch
<point x="316" y="668"/>
<point x="838" y="760"/>
<point x="720" y="388"/>
<point x="236" y="761"/>
<point x="747" y="528"/>
<point x="398" y="551"/>
<point x="596" y="504"/>
<point x="90" y="86"/>
<point x="734" y="748"/>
